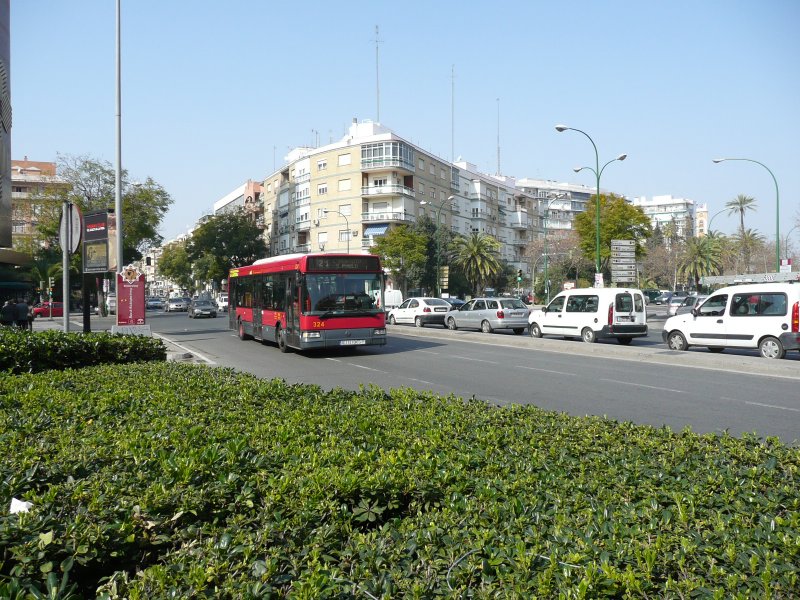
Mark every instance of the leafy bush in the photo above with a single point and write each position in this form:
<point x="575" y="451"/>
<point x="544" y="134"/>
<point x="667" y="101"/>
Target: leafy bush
<point x="31" y="352"/>
<point x="172" y="480"/>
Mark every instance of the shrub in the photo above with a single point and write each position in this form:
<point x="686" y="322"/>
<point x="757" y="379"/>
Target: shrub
<point x="174" y="480"/>
<point x="30" y="352"/>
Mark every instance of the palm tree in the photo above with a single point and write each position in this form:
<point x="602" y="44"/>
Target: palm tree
<point x="741" y="204"/>
<point x="476" y="256"/>
<point x="747" y="242"/>
<point x="701" y="257"/>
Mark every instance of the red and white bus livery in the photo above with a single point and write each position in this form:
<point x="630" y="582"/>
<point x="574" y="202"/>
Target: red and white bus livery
<point x="306" y="301"/>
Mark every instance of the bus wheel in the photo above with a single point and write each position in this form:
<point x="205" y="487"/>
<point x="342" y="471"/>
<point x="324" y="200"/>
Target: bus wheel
<point x="242" y="334"/>
<point x="280" y="339"/>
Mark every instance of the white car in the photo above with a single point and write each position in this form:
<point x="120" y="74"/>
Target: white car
<point x="420" y="311"/>
<point x="222" y="302"/>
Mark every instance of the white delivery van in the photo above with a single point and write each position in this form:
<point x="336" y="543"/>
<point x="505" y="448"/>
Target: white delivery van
<point x="592" y="314"/>
<point x="756" y="315"/>
<point x="392" y="299"/>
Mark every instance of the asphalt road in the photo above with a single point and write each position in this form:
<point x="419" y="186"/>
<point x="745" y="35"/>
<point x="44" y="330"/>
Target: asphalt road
<point x="645" y="383"/>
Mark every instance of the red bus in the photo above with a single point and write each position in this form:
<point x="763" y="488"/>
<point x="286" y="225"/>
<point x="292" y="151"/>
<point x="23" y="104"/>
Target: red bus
<point x="306" y="301"/>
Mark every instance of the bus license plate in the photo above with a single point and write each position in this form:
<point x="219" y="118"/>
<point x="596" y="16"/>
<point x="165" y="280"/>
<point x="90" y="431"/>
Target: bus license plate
<point x="352" y="342"/>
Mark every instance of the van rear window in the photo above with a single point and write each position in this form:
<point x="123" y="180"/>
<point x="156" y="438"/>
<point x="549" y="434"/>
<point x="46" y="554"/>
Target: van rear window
<point x="756" y="305"/>
<point x="623" y="303"/>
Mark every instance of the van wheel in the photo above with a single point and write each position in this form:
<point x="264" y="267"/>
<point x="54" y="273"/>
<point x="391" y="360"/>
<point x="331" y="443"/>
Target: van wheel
<point x="771" y="347"/>
<point x="451" y="324"/>
<point x="588" y="335"/>
<point x="280" y="339"/>
<point x="625" y="341"/>
<point x="676" y="341"/>
<point x="535" y="330"/>
<point x="391" y="320"/>
<point x="242" y="334"/>
<point x="417" y="321"/>
<point x="486" y="327"/>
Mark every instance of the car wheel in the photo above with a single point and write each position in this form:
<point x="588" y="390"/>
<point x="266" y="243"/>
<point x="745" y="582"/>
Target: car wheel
<point x="676" y="341"/>
<point x="451" y="324"/>
<point x="588" y="335"/>
<point x="771" y="347"/>
<point x="242" y="334"/>
<point x="519" y="330"/>
<point x="486" y="327"/>
<point x="280" y="338"/>
<point x="392" y="320"/>
<point x="625" y="341"/>
<point x="535" y="330"/>
<point x="418" y="322"/>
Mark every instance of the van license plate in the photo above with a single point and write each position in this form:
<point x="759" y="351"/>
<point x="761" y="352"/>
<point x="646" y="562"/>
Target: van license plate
<point x="624" y="319"/>
<point x="352" y="342"/>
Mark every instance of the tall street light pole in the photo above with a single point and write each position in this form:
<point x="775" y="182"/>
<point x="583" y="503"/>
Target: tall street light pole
<point x="777" y="208"/>
<point x="346" y="223"/>
<point x="436" y="233"/>
<point x="786" y="243"/>
<point x="546" y="221"/>
<point x="597" y="172"/>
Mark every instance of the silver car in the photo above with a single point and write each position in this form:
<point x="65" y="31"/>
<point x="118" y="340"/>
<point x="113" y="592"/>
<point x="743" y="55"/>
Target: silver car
<point x="686" y="305"/>
<point x="488" y="314"/>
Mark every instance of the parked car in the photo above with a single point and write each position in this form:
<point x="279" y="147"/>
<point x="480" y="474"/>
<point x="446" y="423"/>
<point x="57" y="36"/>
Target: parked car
<point x="154" y="303"/>
<point x="592" y="314"/>
<point x="650" y="295"/>
<point x="420" y="311"/>
<point x="765" y="316"/>
<point x="202" y="307"/>
<point x="177" y="305"/>
<point x="681" y="306"/>
<point x="222" y="302"/>
<point x="488" y="314"/>
<point x="48" y="309"/>
<point x="455" y="302"/>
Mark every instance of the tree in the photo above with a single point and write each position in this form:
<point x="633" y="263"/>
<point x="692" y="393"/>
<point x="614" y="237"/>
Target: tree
<point x="618" y="221"/>
<point x="748" y="242"/>
<point x="223" y="242"/>
<point x="476" y="256"/>
<point x="174" y="264"/>
<point x="740" y="205"/>
<point x="404" y="253"/>
<point x="701" y="257"/>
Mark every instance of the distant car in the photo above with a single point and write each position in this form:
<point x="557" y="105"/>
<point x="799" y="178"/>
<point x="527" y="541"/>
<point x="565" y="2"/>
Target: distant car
<point x="43" y="309"/>
<point x="686" y="305"/>
<point x="455" y="302"/>
<point x="420" y="311"/>
<point x="202" y="308"/>
<point x="650" y="295"/>
<point x="222" y="302"/>
<point x="177" y="305"/>
<point x="111" y="304"/>
<point x="488" y="314"/>
<point x="154" y="303"/>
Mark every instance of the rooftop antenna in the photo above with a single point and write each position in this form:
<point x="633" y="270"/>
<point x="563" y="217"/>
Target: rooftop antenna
<point x="452" y="113"/>
<point x="498" y="136"/>
<point x="377" y="76"/>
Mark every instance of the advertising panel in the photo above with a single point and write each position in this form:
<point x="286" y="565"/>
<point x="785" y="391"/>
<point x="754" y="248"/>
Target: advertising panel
<point x="95" y="245"/>
<point x="130" y="297"/>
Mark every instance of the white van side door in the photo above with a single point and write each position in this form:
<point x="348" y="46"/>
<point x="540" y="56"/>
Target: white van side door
<point x="709" y="328"/>
<point x="553" y="319"/>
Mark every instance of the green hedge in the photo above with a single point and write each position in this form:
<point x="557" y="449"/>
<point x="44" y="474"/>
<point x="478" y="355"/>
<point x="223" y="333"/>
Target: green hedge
<point x="171" y="480"/>
<point x="31" y="352"/>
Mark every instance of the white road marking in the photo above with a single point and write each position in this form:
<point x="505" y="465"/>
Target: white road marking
<point x="650" y="387"/>
<point x="544" y="370"/>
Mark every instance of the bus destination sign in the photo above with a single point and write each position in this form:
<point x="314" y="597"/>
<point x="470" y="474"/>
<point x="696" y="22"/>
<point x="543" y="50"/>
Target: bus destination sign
<point x="355" y="264"/>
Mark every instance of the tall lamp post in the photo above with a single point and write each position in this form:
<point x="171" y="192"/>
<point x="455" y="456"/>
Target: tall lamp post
<point x="786" y="243"/>
<point x="546" y="222"/>
<point x="346" y="223"/>
<point x="436" y="233"/>
<point x="777" y="208"/>
<point x="597" y="172"/>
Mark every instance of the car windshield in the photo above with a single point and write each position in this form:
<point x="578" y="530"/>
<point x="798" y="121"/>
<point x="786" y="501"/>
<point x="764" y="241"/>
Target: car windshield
<point x="203" y="303"/>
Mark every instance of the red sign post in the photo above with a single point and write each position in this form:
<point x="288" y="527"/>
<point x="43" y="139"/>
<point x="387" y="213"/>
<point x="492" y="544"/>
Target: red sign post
<point x="130" y="297"/>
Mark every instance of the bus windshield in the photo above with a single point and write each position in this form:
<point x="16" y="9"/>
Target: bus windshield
<point x="342" y="294"/>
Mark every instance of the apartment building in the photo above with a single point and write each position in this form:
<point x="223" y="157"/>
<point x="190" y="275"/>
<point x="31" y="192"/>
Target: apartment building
<point x="30" y="180"/>
<point x="666" y="212"/>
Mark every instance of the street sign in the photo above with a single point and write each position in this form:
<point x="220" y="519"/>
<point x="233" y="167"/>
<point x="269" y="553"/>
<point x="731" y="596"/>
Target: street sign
<point x="626" y="244"/>
<point x="69" y="232"/>
<point x="623" y="267"/>
<point x="621" y="279"/>
<point x="623" y="254"/>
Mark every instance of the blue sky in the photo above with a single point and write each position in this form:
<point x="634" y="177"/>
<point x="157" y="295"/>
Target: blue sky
<point x="217" y="92"/>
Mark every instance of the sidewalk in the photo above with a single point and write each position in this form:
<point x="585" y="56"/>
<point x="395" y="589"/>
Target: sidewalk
<point x="98" y="324"/>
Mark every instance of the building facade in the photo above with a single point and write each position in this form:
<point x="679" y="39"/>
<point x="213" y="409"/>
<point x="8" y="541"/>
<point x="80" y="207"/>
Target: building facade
<point x="666" y="212"/>
<point x="30" y="180"/>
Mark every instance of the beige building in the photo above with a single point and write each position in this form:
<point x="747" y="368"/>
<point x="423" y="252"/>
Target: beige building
<point x="30" y="180"/>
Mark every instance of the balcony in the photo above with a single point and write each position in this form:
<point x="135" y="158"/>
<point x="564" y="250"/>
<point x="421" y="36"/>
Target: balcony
<point x="302" y="248"/>
<point x="387" y="217"/>
<point x="302" y="178"/>
<point x="520" y="241"/>
<point x="303" y="225"/>
<point x="519" y="219"/>
<point x="379" y="163"/>
<point x="388" y="190"/>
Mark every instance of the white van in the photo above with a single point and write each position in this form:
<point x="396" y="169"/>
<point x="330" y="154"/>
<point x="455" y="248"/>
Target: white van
<point x="592" y="314"/>
<point x="392" y="299"/>
<point x="756" y="315"/>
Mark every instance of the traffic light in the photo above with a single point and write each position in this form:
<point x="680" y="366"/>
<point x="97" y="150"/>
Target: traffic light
<point x="519" y="275"/>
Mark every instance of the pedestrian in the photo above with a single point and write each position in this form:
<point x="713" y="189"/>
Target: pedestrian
<point x="8" y="314"/>
<point x="22" y="314"/>
<point x="31" y="315"/>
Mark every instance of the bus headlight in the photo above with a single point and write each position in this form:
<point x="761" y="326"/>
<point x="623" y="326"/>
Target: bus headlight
<point x="307" y="335"/>
<point x="379" y="332"/>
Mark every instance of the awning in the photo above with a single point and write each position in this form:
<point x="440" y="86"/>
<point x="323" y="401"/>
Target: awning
<point x="375" y="230"/>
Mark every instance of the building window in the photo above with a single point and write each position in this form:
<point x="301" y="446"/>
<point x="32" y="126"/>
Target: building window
<point x="344" y="159"/>
<point x="322" y="188"/>
<point x="344" y="235"/>
<point x="441" y="174"/>
<point x="379" y="182"/>
<point x="322" y="165"/>
<point x="432" y="169"/>
<point x="322" y="237"/>
<point x="421" y="165"/>
<point x="344" y="185"/>
<point x="345" y="209"/>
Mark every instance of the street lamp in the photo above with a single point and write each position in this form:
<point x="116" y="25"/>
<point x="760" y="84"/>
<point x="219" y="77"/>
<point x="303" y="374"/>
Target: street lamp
<point x="597" y="172"/>
<point x="546" y="221"/>
<point x="325" y="212"/>
<point x="777" y="208"/>
<point x="436" y="234"/>
<point x="786" y="243"/>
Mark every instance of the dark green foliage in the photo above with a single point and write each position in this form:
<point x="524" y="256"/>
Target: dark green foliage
<point x="171" y="480"/>
<point x="31" y="352"/>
